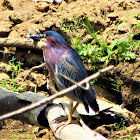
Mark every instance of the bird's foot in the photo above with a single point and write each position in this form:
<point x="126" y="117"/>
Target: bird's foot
<point x="63" y="124"/>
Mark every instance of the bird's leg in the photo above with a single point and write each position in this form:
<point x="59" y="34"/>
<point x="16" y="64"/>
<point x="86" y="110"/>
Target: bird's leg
<point x="74" y="108"/>
<point x="69" y="117"/>
<point x="71" y="111"/>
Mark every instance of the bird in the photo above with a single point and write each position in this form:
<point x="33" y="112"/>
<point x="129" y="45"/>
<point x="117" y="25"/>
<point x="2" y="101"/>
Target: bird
<point x="66" y="68"/>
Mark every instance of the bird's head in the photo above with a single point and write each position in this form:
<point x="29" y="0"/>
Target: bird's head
<point x="47" y="36"/>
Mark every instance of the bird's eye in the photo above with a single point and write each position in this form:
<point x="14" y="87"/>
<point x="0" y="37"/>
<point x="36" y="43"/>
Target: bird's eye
<point x="43" y="35"/>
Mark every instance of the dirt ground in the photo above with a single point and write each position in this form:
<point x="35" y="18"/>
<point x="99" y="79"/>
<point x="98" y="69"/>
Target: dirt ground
<point x="21" y="18"/>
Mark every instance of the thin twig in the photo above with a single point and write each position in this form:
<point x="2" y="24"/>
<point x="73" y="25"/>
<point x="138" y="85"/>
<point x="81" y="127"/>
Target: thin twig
<point x="57" y="95"/>
<point x="43" y="65"/>
<point x="19" y="43"/>
<point x="85" y="88"/>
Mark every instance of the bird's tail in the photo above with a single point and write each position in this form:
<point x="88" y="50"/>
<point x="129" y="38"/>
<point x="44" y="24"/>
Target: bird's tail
<point x="91" y="101"/>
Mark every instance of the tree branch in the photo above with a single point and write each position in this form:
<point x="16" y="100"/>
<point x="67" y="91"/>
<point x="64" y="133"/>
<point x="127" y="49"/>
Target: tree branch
<point x="19" y="43"/>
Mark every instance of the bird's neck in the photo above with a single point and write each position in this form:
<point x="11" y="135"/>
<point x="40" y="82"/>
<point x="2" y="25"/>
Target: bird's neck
<point x="52" y="54"/>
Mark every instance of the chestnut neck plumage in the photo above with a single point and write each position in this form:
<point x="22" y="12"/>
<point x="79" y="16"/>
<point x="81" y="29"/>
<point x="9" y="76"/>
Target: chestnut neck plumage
<point x="53" y="51"/>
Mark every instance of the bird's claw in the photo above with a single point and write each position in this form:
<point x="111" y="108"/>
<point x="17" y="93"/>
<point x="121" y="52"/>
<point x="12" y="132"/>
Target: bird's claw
<point x="63" y="124"/>
<point x="60" y="119"/>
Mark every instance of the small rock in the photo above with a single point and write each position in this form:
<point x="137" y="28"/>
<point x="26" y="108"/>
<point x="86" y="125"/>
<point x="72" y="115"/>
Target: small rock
<point x="4" y="67"/>
<point x="19" y="17"/>
<point x="112" y="16"/>
<point x="123" y="28"/>
<point x="4" y="76"/>
<point x="103" y="131"/>
<point x="43" y="6"/>
<point x="7" y="4"/>
<point x="5" y="28"/>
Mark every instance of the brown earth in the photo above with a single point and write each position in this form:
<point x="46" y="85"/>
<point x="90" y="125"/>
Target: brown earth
<point x="21" y="18"/>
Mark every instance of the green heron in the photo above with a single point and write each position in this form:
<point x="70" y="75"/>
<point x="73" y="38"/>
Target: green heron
<point x="66" y="68"/>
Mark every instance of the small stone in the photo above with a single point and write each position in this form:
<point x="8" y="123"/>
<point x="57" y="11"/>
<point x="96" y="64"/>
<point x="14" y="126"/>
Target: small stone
<point x="43" y="6"/>
<point x="123" y="28"/>
<point x="112" y="16"/>
<point x="19" y="17"/>
<point x="4" y="76"/>
<point x="5" y="28"/>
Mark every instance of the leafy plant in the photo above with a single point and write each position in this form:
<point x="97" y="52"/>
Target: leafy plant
<point x="116" y="85"/>
<point x="90" y="30"/>
<point x="15" y="68"/>
<point x="68" y="25"/>
<point x="97" y="51"/>
<point x="120" y="126"/>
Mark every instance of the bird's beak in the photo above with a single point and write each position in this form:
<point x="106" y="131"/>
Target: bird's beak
<point x="37" y="36"/>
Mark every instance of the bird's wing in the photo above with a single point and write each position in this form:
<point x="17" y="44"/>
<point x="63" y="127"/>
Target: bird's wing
<point x="68" y="69"/>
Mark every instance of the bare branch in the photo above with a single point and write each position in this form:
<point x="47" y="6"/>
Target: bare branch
<point x="19" y="43"/>
<point x="43" y="65"/>
<point x="59" y="94"/>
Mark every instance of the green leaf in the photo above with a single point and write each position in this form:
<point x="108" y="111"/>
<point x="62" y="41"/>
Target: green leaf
<point x="103" y="59"/>
<point x="130" y="55"/>
<point x="113" y="44"/>
<point x="124" y="45"/>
